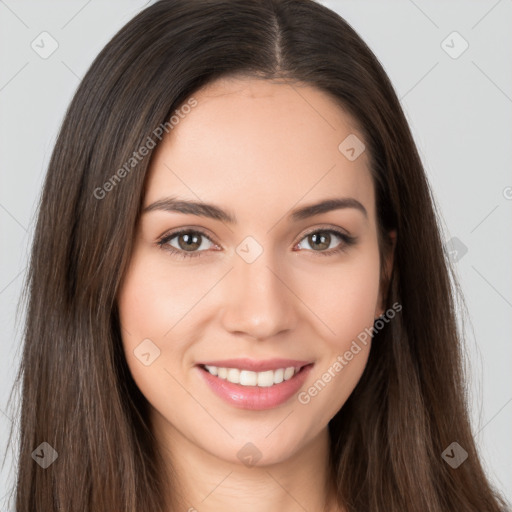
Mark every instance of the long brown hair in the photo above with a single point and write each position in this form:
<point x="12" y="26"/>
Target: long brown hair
<point x="77" y="392"/>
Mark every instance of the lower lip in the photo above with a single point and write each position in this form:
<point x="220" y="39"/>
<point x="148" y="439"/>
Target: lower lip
<point x="255" y="398"/>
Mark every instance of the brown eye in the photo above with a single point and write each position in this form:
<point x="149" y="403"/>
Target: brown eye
<point x="189" y="241"/>
<point x="186" y="242"/>
<point x="320" y="240"/>
<point x="323" y="241"/>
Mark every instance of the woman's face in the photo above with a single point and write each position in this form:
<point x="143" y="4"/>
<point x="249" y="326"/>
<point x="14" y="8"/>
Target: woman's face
<point x="257" y="282"/>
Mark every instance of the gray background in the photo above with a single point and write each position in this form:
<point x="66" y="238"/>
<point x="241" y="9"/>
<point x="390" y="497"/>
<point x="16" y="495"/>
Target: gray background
<point x="459" y="110"/>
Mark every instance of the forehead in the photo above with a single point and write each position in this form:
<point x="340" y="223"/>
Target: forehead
<point x="260" y="146"/>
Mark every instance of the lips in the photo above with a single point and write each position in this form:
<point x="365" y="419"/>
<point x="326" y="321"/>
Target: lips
<point x="255" y="397"/>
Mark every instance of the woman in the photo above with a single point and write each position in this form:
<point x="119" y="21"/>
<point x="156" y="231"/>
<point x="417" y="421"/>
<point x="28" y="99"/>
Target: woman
<point x="238" y="291"/>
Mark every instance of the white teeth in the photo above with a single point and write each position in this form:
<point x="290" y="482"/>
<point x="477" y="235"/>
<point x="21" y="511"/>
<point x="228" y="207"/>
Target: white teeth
<point x="266" y="379"/>
<point x="288" y="373"/>
<point x="279" y="376"/>
<point x="212" y="369"/>
<point x="233" y="375"/>
<point x="248" y="378"/>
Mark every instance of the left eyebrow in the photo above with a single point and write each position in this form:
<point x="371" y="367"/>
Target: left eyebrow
<point x="327" y="205"/>
<point x="212" y="211"/>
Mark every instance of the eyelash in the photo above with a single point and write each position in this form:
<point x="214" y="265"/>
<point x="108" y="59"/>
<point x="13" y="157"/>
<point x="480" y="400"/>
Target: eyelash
<point x="347" y="241"/>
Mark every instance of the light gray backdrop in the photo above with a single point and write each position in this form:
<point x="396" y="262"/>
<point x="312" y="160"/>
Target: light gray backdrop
<point x="450" y="64"/>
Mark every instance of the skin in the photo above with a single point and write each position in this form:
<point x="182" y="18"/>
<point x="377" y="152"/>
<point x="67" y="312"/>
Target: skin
<point x="258" y="149"/>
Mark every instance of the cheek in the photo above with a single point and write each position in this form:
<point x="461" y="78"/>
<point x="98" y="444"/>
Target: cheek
<point x="150" y="305"/>
<point x="160" y="310"/>
<point x="156" y="297"/>
<point x="344" y="297"/>
<point x="147" y="313"/>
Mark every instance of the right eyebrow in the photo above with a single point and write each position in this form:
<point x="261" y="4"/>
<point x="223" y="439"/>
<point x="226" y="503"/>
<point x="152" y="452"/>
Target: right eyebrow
<point x="198" y="208"/>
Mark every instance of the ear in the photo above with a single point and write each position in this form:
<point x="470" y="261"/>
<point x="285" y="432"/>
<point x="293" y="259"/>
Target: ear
<point x="387" y="267"/>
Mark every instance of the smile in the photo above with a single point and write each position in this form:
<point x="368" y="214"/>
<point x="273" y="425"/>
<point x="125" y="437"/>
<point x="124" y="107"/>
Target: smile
<point x="250" y="389"/>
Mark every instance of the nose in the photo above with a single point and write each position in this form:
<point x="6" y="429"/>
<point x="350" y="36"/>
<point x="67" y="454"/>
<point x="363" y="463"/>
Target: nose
<point x="258" y="300"/>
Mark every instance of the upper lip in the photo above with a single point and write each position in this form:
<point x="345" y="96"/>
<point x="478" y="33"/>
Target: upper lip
<point x="255" y="365"/>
